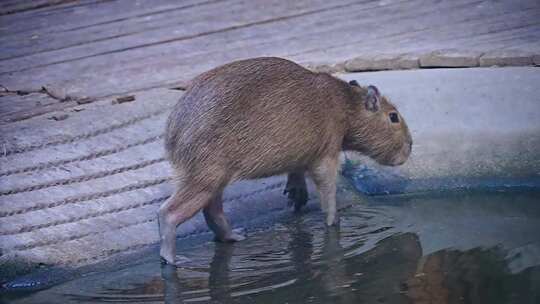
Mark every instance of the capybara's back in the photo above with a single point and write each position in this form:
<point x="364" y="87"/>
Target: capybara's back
<point x="255" y="118"/>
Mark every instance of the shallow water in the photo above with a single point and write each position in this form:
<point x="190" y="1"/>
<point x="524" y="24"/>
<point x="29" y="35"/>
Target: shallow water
<point x="459" y="247"/>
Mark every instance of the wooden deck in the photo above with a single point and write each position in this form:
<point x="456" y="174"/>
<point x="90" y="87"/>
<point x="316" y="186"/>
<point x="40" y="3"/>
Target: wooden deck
<point x="103" y="48"/>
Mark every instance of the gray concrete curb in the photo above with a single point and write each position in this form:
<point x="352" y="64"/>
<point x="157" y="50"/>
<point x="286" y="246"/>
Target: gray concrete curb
<point x="446" y="58"/>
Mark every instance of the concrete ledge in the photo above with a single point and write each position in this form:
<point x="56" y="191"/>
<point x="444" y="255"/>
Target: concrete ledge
<point x="382" y="62"/>
<point x="446" y="58"/>
<point x="450" y="58"/>
<point x="506" y="58"/>
<point x="324" y="67"/>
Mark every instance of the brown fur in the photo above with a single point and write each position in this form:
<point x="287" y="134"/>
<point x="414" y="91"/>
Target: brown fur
<point x="267" y="116"/>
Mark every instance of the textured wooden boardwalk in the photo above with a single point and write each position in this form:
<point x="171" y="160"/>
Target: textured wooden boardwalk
<point x="81" y="187"/>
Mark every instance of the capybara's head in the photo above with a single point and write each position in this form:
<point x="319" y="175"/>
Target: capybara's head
<point x="375" y="127"/>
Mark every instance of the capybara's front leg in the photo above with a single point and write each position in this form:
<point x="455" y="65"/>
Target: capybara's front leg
<point x="177" y="209"/>
<point x="324" y="174"/>
<point x="296" y="190"/>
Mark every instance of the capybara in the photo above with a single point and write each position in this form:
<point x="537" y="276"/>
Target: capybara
<point x="267" y="116"/>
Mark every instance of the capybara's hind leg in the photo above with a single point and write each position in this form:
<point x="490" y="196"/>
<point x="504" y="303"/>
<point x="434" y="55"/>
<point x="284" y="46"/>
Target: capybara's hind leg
<point x="177" y="209"/>
<point x="217" y="222"/>
<point x="296" y="190"/>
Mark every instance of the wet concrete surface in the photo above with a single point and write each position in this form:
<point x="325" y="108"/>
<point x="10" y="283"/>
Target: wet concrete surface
<point x="443" y="247"/>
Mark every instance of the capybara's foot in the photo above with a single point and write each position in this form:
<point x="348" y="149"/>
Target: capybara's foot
<point x="298" y="197"/>
<point x="166" y="258"/>
<point x="167" y="240"/>
<point x="234" y="236"/>
<point x="178" y="261"/>
<point x="332" y="220"/>
<point x="165" y="261"/>
<point x="296" y="191"/>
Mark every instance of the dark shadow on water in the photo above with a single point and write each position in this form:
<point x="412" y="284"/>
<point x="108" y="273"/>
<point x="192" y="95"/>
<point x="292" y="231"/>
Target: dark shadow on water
<point x="173" y="288"/>
<point x="219" y="286"/>
<point x="219" y="279"/>
<point x="474" y="276"/>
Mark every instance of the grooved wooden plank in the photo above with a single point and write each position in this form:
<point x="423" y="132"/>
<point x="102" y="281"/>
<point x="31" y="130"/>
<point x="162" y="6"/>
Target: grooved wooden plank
<point x="81" y="14"/>
<point x="12" y="7"/>
<point x="12" y="103"/>
<point x="165" y="20"/>
<point x="191" y="24"/>
<point x="124" y="60"/>
<point x="421" y="36"/>
<point x="99" y="117"/>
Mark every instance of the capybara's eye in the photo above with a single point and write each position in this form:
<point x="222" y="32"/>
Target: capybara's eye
<point x="394" y="117"/>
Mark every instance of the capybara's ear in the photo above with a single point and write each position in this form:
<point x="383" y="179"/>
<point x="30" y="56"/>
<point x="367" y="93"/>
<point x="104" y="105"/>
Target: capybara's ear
<point x="373" y="98"/>
<point x="354" y="83"/>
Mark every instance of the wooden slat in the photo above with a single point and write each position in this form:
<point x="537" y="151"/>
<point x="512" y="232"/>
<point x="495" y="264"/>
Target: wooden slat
<point x="12" y="7"/>
<point x="82" y="14"/>
<point x="181" y="25"/>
